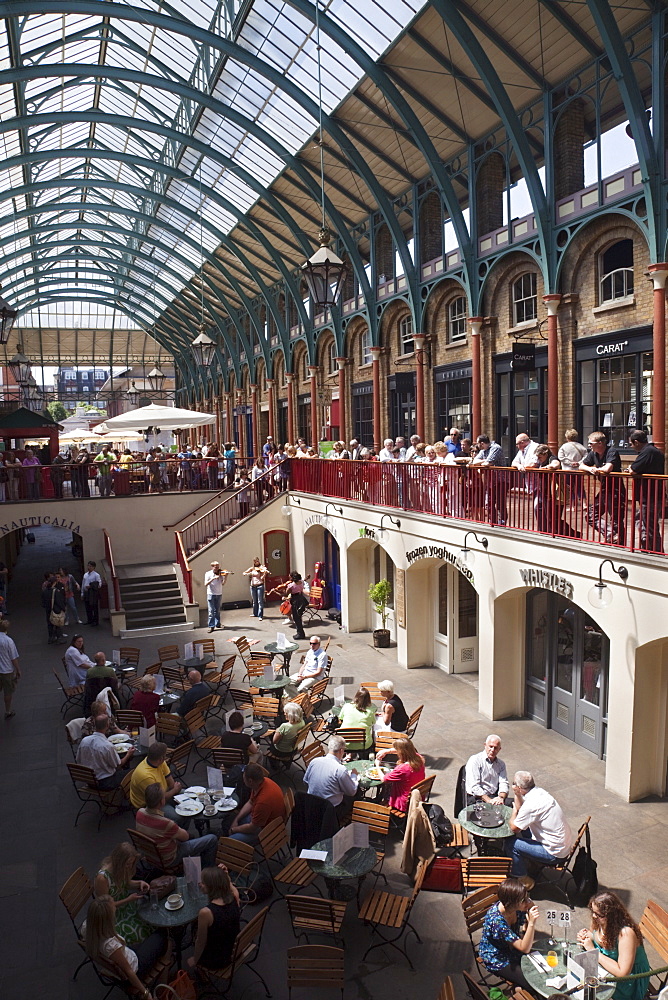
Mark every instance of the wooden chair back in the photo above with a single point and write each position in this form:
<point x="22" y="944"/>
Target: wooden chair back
<point x="312" y="751"/>
<point x="424" y="787"/>
<point x="153" y="669"/>
<point x="266" y="708"/>
<point x="317" y="691"/>
<point x="168" y="653"/>
<point x="149" y="850"/>
<point x="241" y="698"/>
<point x="352" y="734"/>
<point x="73" y="744"/>
<point x="413" y="722"/>
<point x="315" y="598"/>
<point x="228" y="757"/>
<point x="178" y="757"/>
<point x="167" y="726"/>
<point x="245" y="941"/>
<point x="83" y="778"/>
<point x="316" y="966"/>
<point x="128" y="718"/>
<point x="207" y="704"/>
<point x="234" y="854"/>
<point x="373" y="815"/>
<point x="420" y="873"/>
<point x="447" y="990"/>
<point x="372" y="688"/>
<point x="130" y="654"/>
<point x="654" y="927"/>
<point x="255" y="668"/>
<point x="303" y="699"/>
<point x="125" y="785"/>
<point x="288" y="800"/>
<point x="475" y="906"/>
<point x="312" y="914"/>
<point x="274" y="838"/>
<point x="385" y="740"/>
<point x="474" y="990"/>
<point x="76" y="892"/>
<point x="565" y="862"/>
<point x="207" y="647"/>
<point x="480" y="872"/>
<point x="195" y="723"/>
<point x="175" y="679"/>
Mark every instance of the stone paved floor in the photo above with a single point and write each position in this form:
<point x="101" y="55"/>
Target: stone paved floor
<point x="41" y="847"/>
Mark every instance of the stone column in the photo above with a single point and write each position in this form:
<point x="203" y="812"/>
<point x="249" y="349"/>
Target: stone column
<point x="241" y="437"/>
<point x="229" y="422"/>
<point x="291" y="408"/>
<point x="375" y="373"/>
<point x="659" y="273"/>
<point x="313" y="378"/>
<point x="343" y="430"/>
<point x="271" y="382"/>
<point x="552" y="303"/>
<point x="475" y="325"/>
<point x="419" y="341"/>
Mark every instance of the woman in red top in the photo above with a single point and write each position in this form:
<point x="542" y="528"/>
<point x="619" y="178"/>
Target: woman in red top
<point x="407" y="773"/>
<point x="145" y="700"/>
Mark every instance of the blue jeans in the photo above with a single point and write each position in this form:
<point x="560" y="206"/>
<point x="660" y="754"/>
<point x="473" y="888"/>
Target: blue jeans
<point x="213" y="603"/>
<point x="526" y="847"/>
<point x="245" y="838"/>
<point x="257" y="597"/>
<point x="205" y="846"/>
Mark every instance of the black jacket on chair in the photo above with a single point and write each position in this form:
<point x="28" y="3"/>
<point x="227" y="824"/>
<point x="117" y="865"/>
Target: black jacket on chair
<point x="313" y="819"/>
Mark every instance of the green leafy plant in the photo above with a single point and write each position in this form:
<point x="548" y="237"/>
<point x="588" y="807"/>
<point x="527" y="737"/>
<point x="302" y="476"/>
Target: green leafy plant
<point x="379" y="595"/>
<point x="57" y="410"/>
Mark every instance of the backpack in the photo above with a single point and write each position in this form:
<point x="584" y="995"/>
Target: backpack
<point x="584" y="878"/>
<point x="440" y="824"/>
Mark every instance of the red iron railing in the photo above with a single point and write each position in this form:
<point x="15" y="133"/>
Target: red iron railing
<point x="182" y="560"/>
<point x="617" y="509"/>
<point x="109" y="555"/>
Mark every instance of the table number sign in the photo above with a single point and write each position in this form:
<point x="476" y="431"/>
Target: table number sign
<point x="551" y="916"/>
<point x="564" y="918"/>
<point x="188" y="651"/>
<point x="146" y="736"/>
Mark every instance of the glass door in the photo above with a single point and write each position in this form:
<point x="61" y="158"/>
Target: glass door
<point x="456" y="620"/>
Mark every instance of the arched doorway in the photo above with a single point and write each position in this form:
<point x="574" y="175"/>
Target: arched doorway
<point x="455" y="616"/>
<point x="567" y="670"/>
<point x="320" y="545"/>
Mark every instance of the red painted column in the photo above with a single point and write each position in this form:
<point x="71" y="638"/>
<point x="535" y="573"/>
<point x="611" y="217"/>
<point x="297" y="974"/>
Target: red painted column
<point x="289" y="378"/>
<point x="271" y="382"/>
<point x="475" y="323"/>
<point x="241" y="437"/>
<point x="552" y="303"/>
<point x="375" y="374"/>
<point x="229" y="423"/>
<point x="659" y="273"/>
<point x="257" y="450"/>
<point x="418" y="340"/>
<point x="313" y="376"/>
<point x="343" y="430"/>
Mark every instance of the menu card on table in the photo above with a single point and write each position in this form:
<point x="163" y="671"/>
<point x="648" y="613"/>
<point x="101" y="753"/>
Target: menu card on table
<point x="354" y="835"/>
<point x="116" y="657"/>
<point x="340" y="695"/>
<point x="192" y="869"/>
<point x="146" y="736"/>
<point x="280" y="640"/>
<point x="313" y="855"/>
<point x="268" y="672"/>
<point x="581" y="967"/>
<point x="159" y="683"/>
<point x="188" y="651"/>
<point x="214" y="778"/>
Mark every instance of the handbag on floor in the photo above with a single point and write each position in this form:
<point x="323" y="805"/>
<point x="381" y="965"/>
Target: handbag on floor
<point x="182" y="987"/>
<point x="56" y="618"/>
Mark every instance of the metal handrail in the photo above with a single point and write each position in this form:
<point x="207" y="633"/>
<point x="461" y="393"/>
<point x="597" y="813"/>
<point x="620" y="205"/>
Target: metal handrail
<point x="182" y="560"/>
<point x="112" y="568"/>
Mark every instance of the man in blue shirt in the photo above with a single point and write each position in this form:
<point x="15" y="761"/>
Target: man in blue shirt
<point x="453" y="442"/>
<point x="496" y="484"/>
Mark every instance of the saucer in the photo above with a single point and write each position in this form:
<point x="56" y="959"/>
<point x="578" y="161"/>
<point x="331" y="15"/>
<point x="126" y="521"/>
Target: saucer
<point x="177" y="907"/>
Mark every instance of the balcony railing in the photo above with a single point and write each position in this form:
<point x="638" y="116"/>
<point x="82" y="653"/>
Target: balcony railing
<point x="616" y="510"/>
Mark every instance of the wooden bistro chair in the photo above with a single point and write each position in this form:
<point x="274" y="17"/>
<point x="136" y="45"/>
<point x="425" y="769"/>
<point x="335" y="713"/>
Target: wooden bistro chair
<point x="654" y="927"/>
<point x="424" y="787"/>
<point x="447" y="990"/>
<point x="168" y="728"/>
<point x="205" y="647"/>
<point x="312" y="611"/>
<point x="241" y="698"/>
<point x="130" y="655"/>
<point x="266" y="709"/>
<point x="313" y="915"/>
<point x="352" y="734"/>
<point x="318" y="695"/>
<point x="482" y="872"/>
<point x="316" y="966"/>
<point x="178" y="758"/>
<point x="167" y="654"/>
<point x="220" y="680"/>
<point x="377" y="818"/>
<point x="249" y="657"/>
<point x="474" y="908"/>
<point x="413" y="722"/>
<point x="312" y="751"/>
<point x="174" y="679"/>
<point x="88" y="791"/>
<point x="389" y="914"/>
<point x="563" y="865"/>
<point x="294" y="873"/>
<point x="238" y="858"/>
<point x="244" y="952"/>
<point x="75" y="895"/>
<point x="73" y="694"/>
<point x="225" y="758"/>
<point x="203" y="743"/>
<point x="296" y="753"/>
<point x="128" y="718"/>
<point x="372" y="687"/>
<point x="150" y="851"/>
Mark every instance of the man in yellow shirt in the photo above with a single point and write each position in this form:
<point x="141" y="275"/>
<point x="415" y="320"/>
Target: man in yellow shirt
<point x="154" y="769"/>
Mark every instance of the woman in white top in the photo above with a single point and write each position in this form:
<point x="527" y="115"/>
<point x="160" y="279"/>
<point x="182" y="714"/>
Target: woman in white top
<point x="570" y="455"/>
<point x="108" y="949"/>
<point x="76" y="661"/>
<point x="258" y="573"/>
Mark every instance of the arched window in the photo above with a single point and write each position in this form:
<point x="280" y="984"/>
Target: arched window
<point x="365" y="348"/>
<point x="406" y="343"/>
<point x="331" y="358"/>
<point x="457" y="320"/>
<point x="616" y="270"/>
<point x="525" y="299"/>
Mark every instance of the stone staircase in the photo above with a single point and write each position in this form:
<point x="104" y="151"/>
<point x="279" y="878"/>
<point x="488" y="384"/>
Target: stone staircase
<point x="152" y="601"/>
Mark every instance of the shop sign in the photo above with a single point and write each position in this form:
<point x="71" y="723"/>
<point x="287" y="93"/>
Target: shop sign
<point x="367" y="533"/>
<point x="400" y="597"/>
<point x="524" y="358"/>
<point x="35" y="520"/>
<point x="439" y="552"/>
<point x="547" y="581"/>
<point x="323" y="519"/>
<point x="603" y="350"/>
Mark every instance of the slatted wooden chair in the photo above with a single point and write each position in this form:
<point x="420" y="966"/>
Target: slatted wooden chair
<point x="377" y="818"/>
<point x="130" y="655"/>
<point x="303" y="699"/>
<point x="133" y="682"/>
<point x="314" y="607"/>
<point x="372" y="688"/>
<point x="73" y="694"/>
<point x="318" y="696"/>
<point x="107" y="973"/>
<point x="220" y="680"/>
<point x="316" y="966"/>
<point x="246" y="946"/>
<point x="352" y="734"/>
<point x="447" y="990"/>
<point x="168" y="728"/>
<point x="481" y="872"/>
<point x="293" y="758"/>
<point x="203" y="743"/>
<point x="209" y="705"/>
<point x="313" y="915"/>
<point x="241" y="698"/>
<point x="413" y="722"/>
<point x="150" y="851"/>
<point x="385" y="739"/>
<point x="174" y="679"/>
<point x="460" y="840"/>
<point x="74" y="895"/>
<point x="128" y="718"/>
<point x="424" y="787"/>
<point x="389" y="914"/>
<point x="178" y="758"/>
<point x="204" y="648"/>
<point x="250" y="656"/>
<point x="563" y="865"/>
<point x="312" y="751"/>
<point x="167" y="654"/>
<point x="475" y="990"/>
<point x="474" y="908"/>
<point x="89" y="792"/>
<point x="654" y="927"/>
<point x="72" y="743"/>
<point x="237" y="857"/>
<point x="267" y="709"/>
<point x="294" y="873"/>
<point x="226" y="758"/>
<point x="288" y="801"/>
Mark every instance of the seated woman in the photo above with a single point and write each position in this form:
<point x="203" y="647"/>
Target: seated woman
<point x="77" y="663"/>
<point x="116" y="879"/>
<point x="218" y="922"/>
<point x="284" y="738"/>
<point x="360" y="713"/>
<point x="408" y="772"/>
<point x="392" y="713"/>
<point x="508" y="932"/>
<point x="108" y="948"/>
<point x="100" y="708"/>
<point x="619" y="940"/>
<point x="145" y="700"/>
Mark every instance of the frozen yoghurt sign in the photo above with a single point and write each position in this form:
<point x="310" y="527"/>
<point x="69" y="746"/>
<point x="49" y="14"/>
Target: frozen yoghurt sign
<point x="35" y="520"/>
<point x="439" y="552"/>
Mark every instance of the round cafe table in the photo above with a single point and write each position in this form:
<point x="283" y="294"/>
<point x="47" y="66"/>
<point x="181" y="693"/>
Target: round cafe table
<point x="355" y="863"/>
<point x="365" y="783"/>
<point x="286" y="653"/>
<point x="496" y="833"/>
<point x="276" y="685"/>
<point x="175" y="921"/>
<point x="195" y="662"/>
<point x="537" y="979"/>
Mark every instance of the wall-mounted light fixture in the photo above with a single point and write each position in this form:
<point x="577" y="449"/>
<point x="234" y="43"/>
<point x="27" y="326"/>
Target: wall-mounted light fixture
<point x="383" y="532"/>
<point x="286" y="510"/>
<point x="467" y="554"/>
<point x="600" y="595"/>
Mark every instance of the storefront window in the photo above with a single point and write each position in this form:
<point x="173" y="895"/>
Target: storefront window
<point x="443" y="599"/>
<point x="615" y="394"/>
<point x="363" y="413"/>
<point x="467" y="610"/>
<point x="538" y="637"/>
<point x="453" y="399"/>
<point x="521" y="402"/>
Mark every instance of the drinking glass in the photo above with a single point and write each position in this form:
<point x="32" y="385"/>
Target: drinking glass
<point x="552" y="959"/>
<point x="153" y="899"/>
<point x="478" y="810"/>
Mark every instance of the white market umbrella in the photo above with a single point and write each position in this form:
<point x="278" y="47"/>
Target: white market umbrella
<point x="167" y="418"/>
<point x="79" y="436"/>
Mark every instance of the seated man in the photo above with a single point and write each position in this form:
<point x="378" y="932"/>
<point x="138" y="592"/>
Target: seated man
<point x="98" y="677"/>
<point x="235" y="739"/>
<point x="174" y="843"/>
<point x="486" y="779"/>
<point x="265" y="804"/>
<point x="539" y="825"/>
<point x="329" y="779"/>
<point x="155" y="770"/>
<point x="199" y="689"/>
<point x="95" y="751"/>
<point x="312" y="669"/>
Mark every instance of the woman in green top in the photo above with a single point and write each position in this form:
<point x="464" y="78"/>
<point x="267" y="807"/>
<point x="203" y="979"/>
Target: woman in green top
<point x="360" y="713"/>
<point x="285" y="737"/>
<point x="115" y="879"/>
<point x="619" y="940"/>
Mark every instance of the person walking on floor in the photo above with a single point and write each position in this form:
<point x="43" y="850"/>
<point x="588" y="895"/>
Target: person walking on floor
<point x="90" y="589"/>
<point x="10" y="672"/>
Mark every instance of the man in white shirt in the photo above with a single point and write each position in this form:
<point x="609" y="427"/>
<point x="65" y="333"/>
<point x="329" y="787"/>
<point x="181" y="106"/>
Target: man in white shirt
<point x="539" y="825"/>
<point x="355" y="449"/>
<point x="313" y="667"/>
<point x="486" y="778"/>
<point x="90" y="591"/>
<point x="98" y="753"/>
<point x="9" y="668"/>
<point x="411" y="450"/>
<point x="385" y="453"/>
<point x="329" y="779"/>
<point x="214" y="581"/>
<point x="526" y="451"/>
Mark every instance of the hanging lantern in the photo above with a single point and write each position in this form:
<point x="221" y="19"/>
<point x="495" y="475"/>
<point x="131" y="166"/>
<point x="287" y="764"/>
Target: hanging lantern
<point x="20" y="367"/>
<point x="324" y="273"/>
<point x="203" y="348"/>
<point x="156" y="379"/>
<point x="7" y="318"/>
<point x="132" y="395"/>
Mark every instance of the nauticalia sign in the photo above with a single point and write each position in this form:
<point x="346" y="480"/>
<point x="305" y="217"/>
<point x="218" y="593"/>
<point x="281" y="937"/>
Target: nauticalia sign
<point x="35" y="520"/>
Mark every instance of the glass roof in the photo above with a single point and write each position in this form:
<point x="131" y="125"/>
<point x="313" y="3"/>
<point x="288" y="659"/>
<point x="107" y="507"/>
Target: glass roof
<point x="140" y="218"/>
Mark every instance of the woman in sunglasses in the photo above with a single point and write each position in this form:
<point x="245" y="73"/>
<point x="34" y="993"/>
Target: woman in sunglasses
<point x="619" y="940"/>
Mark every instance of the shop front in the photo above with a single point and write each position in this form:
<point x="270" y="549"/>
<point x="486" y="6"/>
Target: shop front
<point x="452" y="399"/>
<point x="401" y="397"/>
<point x="521" y="401"/>
<point x="362" y="399"/>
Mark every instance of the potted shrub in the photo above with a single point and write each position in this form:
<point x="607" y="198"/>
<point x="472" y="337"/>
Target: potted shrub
<point x="379" y="594"/>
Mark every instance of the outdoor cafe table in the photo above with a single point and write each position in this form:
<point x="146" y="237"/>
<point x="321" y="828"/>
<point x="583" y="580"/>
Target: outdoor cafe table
<point x="355" y="863"/>
<point x="537" y="980"/>
<point x="365" y="783"/>
<point x="484" y="833"/>
<point x="195" y="662"/>
<point x="275" y="687"/>
<point x="175" y="921"/>
<point x="286" y="653"/>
